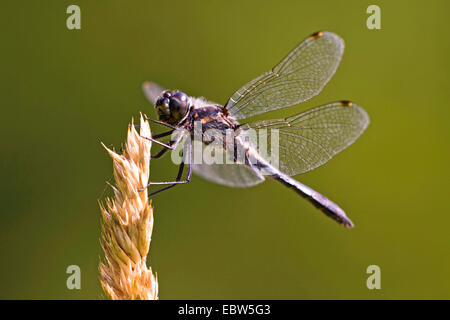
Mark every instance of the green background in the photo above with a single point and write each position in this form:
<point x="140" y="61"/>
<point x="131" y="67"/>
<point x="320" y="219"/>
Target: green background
<point x="63" y="91"/>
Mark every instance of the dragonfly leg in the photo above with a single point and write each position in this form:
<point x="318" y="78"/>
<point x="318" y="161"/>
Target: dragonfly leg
<point x="163" y="134"/>
<point x="161" y="123"/>
<point x="178" y="179"/>
<point x="157" y="136"/>
<point x="167" y="146"/>
<point x="159" y="154"/>
<point x="163" y="150"/>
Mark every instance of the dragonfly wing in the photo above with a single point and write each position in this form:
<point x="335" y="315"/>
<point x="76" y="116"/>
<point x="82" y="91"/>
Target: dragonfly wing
<point x="301" y="75"/>
<point x="223" y="170"/>
<point x="152" y="91"/>
<point x="309" y="139"/>
<point x="231" y="175"/>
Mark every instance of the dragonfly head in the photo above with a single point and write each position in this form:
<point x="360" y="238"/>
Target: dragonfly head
<point x="172" y="106"/>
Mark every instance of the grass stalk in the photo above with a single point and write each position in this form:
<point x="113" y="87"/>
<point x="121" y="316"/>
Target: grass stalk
<point x="127" y="223"/>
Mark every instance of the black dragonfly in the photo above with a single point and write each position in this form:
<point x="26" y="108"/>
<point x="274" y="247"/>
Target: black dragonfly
<point x="305" y="141"/>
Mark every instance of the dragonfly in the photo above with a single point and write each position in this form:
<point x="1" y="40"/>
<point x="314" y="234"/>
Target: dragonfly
<point x="306" y="140"/>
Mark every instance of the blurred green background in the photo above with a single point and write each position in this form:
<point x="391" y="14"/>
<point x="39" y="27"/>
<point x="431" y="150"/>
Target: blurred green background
<point x="65" y="91"/>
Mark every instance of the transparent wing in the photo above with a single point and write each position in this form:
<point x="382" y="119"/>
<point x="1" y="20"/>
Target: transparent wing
<point x="309" y="139"/>
<point x="301" y="75"/>
<point x="152" y="91"/>
<point x="229" y="173"/>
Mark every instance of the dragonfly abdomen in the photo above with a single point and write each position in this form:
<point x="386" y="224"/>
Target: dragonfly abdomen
<point x="321" y="202"/>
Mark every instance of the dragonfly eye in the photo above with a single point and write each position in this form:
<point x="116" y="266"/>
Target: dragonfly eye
<point x="178" y="105"/>
<point x="162" y="107"/>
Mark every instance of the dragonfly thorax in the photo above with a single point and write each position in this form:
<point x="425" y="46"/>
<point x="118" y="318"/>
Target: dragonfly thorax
<point x="172" y="106"/>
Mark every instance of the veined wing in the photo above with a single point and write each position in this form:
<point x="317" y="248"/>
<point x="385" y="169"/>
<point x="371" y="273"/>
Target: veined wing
<point x="228" y="173"/>
<point x="231" y="175"/>
<point x="301" y="75"/>
<point x="311" y="138"/>
<point x="152" y="91"/>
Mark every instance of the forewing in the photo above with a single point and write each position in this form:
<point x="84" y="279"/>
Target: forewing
<point x="152" y="91"/>
<point x="310" y="139"/>
<point x="301" y="75"/>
